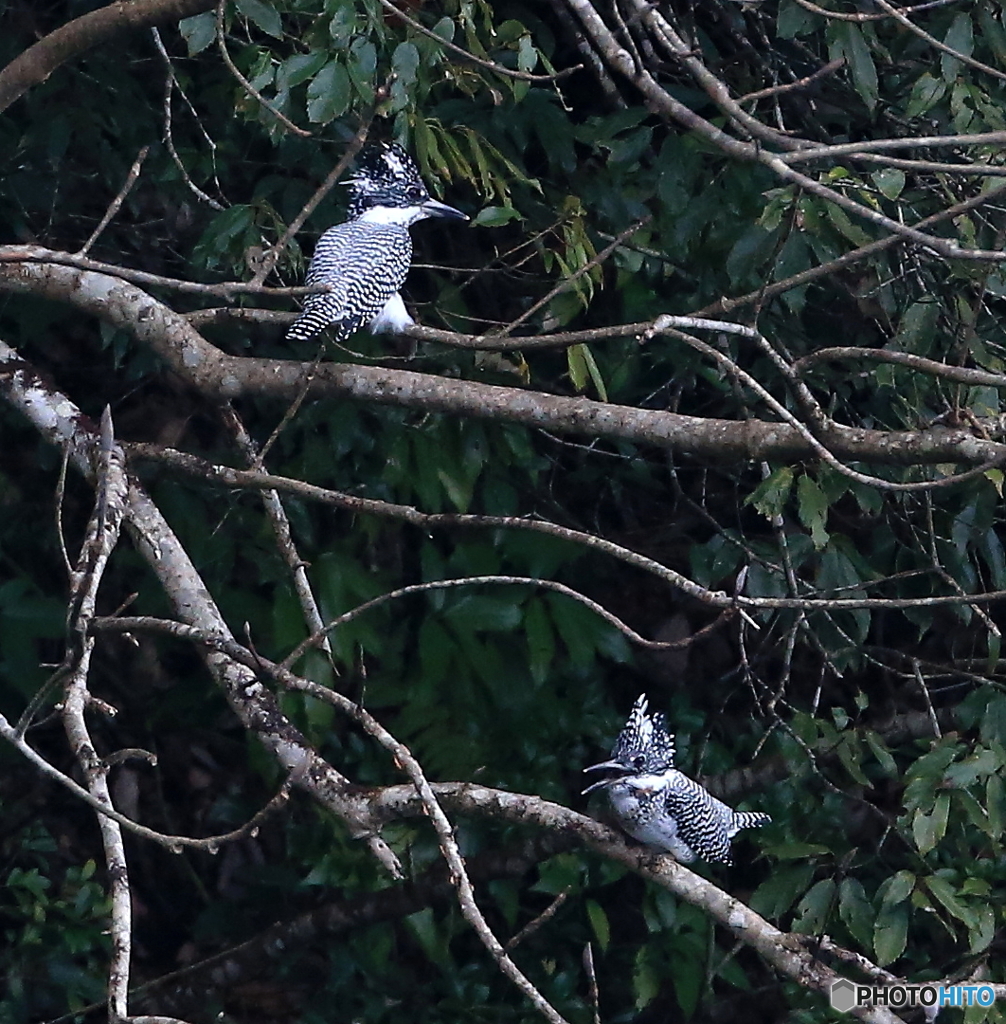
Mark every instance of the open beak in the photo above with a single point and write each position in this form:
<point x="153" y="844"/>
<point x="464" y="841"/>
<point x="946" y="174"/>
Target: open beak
<point x="431" y="208"/>
<point x="610" y="766"/>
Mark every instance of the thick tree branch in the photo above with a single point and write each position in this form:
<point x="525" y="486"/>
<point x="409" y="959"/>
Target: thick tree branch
<point x="220" y="376"/>
<point x="785" y="952"/>
<point x="61" y="423"/>
<point x="38" y="62"/>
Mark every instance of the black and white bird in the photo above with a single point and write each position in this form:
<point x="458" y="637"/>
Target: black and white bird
<point x="365" y="260"/>
<point x="659" y="806"/>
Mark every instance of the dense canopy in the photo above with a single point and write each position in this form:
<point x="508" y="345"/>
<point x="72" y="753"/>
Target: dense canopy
<point x="704" y="404"/>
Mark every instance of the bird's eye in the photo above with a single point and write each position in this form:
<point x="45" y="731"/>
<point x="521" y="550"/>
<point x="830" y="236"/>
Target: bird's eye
<point x="415" y="193"/>
<point x="638" y="761"/>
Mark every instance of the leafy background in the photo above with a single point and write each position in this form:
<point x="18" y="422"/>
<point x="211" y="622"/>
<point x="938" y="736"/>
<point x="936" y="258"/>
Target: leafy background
<point x="884" y="837"/>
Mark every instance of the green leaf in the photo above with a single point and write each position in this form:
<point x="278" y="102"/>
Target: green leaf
<point x="361" y="64"/>
<point x="476" y="613"/>
<point x="793" y="20"/>
<point x="857" y="52"/>
<point x="959" y="37"/>
<point x="889" y="181"/>
<point x="198" y="31"/>
<point x="853" y="232"/>
<point x="944" y="892"/>
<point x="890" y="933"/>
<point x="780" y="890"/>
<point x="598" y="923"/>
<point x="405" y="62"/>
<point x="812" y="507"/>
<point x="576" y="362"/>
<point x="595" y="374"/>
<point x="929" y="829"/>
<point x="926" y="93"/>
<point x="561" y="872"/>
<point x="887" y="763"/>
<point x="299" y="68"/>
<point x="851" y="755"/>
<point x="540" y="640"/>
<point x="267" y="18"/>
<point x="423" y="926"/>
<point x="496" y="216"/>
<point x="769" y="497"/>
<point x="995" y="804"/>
<point x="812" y="911"/>
<point x="328" y="94"/>
<point x="527" y="55"/>
<point x="856" y="911"/>
<point x="897" y="889"/>
<point x="645" y="979"/>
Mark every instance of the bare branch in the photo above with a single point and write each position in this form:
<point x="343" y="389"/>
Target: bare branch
<point x="221" y="376"/>
<point x="38" y="62"/>
<point x="269" y="258"/>
<point x="100" y="539"/>
<point x="568" y="282"/>
<point x="489" y="65"/>
<point x="284" y="536"/>
<point x="61" y="423"/>
<point x="113" y="208"/>
<point x="787" y="953"/>
<point x="801" y="83"/>
<point x="245" y="84"/>
<point x="939" y="45"/>
<point x="170" y="83"/>
<point x="961" y="374"/>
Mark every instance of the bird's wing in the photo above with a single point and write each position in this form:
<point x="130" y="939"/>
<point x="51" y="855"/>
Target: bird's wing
<point x="364" y="265"/>
<point x="699" y="820"/>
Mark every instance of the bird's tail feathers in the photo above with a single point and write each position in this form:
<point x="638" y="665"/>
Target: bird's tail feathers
<point x="751" y="819"/>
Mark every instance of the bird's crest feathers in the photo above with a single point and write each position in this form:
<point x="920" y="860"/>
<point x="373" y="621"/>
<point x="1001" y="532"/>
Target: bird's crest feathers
<point x="385" y="175"/>
<point x="646" y="736"/>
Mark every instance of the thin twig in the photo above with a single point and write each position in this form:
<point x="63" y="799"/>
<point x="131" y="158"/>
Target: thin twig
<point x="245" y="84"/>
<point x="523" y="76"/>
<point x="535" y="923"/>
<point x="592" y="993"/>
<point x="568" y="282"/>
<point x="225" y="289"/>
<point x="800" y="83"/>
<point x="406" y="513"/>
<point x="925" y="695"/>
<point x="169" y="140"/>
<point x="272" y="255"/>
<point x="113" y="208"/>
<point x="843" y="16"/>
<point x="283" y="533"/>
<point x="937" y="43"/>
<point x="660" y="327"/>
<point x="174" y="843"/>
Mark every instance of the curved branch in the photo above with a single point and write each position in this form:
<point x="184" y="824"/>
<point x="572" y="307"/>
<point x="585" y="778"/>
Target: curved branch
<point x="936" y="43"/>
<point x="662" y="102"/>
<point x="961" y="374"/>
<point x="38" y="62"/>
<point x="246" y="85"/>
<point x="218" y="375"/>
<point x="397" y="12"/>
<point x="785" y="952"/>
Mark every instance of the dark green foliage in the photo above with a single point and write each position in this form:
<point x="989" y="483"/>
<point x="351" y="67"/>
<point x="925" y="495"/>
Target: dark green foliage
<point x="885" y="837"/>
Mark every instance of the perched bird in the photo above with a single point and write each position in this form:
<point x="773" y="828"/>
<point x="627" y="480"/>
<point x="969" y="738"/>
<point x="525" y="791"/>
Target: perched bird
<point x="365" y="259"/>
<point x="658" y="805"/>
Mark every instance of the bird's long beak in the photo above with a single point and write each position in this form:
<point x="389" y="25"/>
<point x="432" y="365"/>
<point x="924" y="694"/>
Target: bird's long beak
<point x="431" y="208"/>
<point x="610" y="765"/>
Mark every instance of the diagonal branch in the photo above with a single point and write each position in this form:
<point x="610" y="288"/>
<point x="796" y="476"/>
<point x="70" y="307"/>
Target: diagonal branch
<point x="220" y="376"/>
<point x="38" y="62"/>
